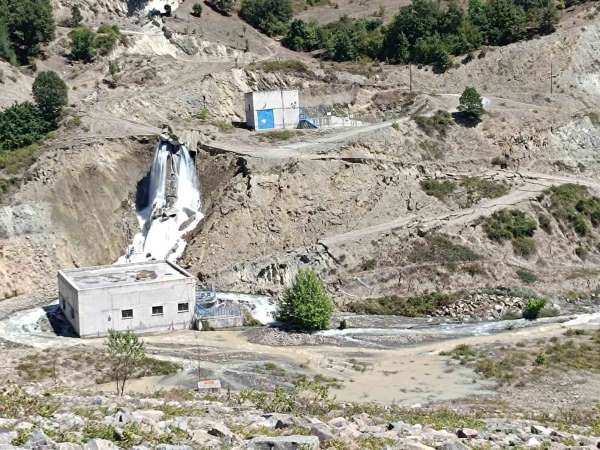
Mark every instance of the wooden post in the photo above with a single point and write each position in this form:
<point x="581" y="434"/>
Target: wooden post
<point x="409" y="77"/>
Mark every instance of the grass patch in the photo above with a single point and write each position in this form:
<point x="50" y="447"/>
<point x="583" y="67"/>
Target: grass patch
<point x="466" y="191"/>
<point x="283" y="65"/>
<point x="526" y="276"/>
<point x="15" y="403"/>
<point x="439" y="248"/>
<point x="419" y="305"/>
<point x="14" y="161"/>
<point x="439" y="123"/>
<point x="277" y="135"/>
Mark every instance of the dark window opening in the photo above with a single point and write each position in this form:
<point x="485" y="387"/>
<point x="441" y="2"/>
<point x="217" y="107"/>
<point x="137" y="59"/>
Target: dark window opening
<point x="157" y="310"/>
<point x="183" y="307"/>
<point x="127" y="314"/>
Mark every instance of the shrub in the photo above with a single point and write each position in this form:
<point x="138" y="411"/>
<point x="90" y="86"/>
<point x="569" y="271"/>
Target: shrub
<point x="572" y="205"/>
<point x="306" y="304"/>
<point x="439" y="248"/>
<point x="76" y="18"/>
<point x="439" y="189"/>
<point x="197" y="10"/>
<point x="416" y="306"/>
<point x="224" y="7"/>
<point x="284" y="65"/>
<point x="526" y="276"/>
<point x="106" y="38"/>
<point x="303" y="36"/>
<point x="533" y="308"/>
<point x="545" y="223"/>
<point x="83" y="44"/>
<point x="440" y="122"/>
<point x="509" y="224"/>
<point x="6" y="48"/>
<point x="523" y="246"/>
<point x="470" y="104"/>
<point x="51" y="95"/>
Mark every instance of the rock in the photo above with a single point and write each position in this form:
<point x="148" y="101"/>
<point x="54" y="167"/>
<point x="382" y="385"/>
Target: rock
<point x="539" y="429"/>
<point x="172" y="447"/>
<point x="39" y="440"/>
<point x="220" y="430"/>
<point x="338" y="422"/>
<point x="411" y="445"/>
<point x="467" y="433"/>
<point x="284" y="443"/>
<point x="280" y="421"/>
<point x="453" y="445"/>
<point x="322" y="431"/>
<point x="205" y="440"/>
<point x="7" y="437"/>
<point x="149" y="415"/>
<point x="532" y="443"/>
<point x="68" y="446"/>
<point x="99" y="444"/>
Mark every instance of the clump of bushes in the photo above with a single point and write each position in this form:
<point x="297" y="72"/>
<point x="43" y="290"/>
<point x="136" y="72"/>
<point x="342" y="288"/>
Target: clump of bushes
<point x="306" y="305"/>
<point x="533" y="308"/>
<point x="284" y="65"/>
<point x="224" y="7"/>
<point x="574" y="207"/>
<point x="440" y="122"/>
<point x="439" y="248"/>
<point x="513" y="225"/>
<point x="85" y="43"/>
<point x="472" y="189"/>
<point x="197" y="10"/>
<point x="526" y="276"/>
<point x="269" y="16"/>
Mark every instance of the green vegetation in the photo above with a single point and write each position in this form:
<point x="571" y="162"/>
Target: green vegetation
<point x="125" y="353"/>
<point x="593" y="116"/>
<point x="269" y="16"/>
<point x="277" y="135"/>
<point x="574" y="208"/>
<point x="197" y="10"/>
<point x="283" y="65"/>
<point x="224" y="7"/>
<point x="471" y="104"/>
<point x="514" y="225"/>
<point x="526" y="276"/>
<point x="466" y="191"/>
<point x="21" y="125"/>
<point x="306" y="305"/>
<point x="51" y="95"/>
<point x="15" y="403"/>
<point x="416" y="306"/>
<point x="439" y="248"/>
<point x="85" y="43"/>
<point x="25" y="25"/>
<point x="439" y="122"/>
<point x="76" y="18"/>
<point x="533" y="308"/>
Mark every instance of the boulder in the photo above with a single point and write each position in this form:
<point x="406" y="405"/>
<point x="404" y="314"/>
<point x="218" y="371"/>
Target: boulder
<point x="467" y="433"/>
<point x="220" y="430"/>
<point x="322" y="431"/>
<point x="539" y="429"/>
<point x="453" y="445"/>
<point x="39" y="440"/>
<point x="68" y="446"/>
<point x="284" y="443"/>
<point x="99" y="444"/>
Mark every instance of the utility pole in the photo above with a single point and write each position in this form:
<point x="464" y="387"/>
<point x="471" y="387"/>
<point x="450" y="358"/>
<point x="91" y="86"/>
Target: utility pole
<point x="551" y="77"/>
<point x="409" y="77"/>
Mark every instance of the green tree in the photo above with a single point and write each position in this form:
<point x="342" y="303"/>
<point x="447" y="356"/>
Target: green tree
<point x="106" y="38"/>
<point x="51" y="95"/>
<point x="197" y="10"/>
<point x="6" y="50"/>
<point x="506" y="22"/>
<point x="224" y="7"/>
<point x="549" y="19"/>
<point x="303" y="36"/>
<point x="125" y="352"/>
<point x="30" y="24"/>
<point x="471" y="104"/>
<point x="306" y="304"/>
<point x="21" y="125"/>
<point x="269" y="16"/>
<point x="83" y="44"/>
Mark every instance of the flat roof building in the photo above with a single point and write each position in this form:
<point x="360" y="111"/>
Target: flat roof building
<point x="142" y="297"/>
<point x="269" y="110"/>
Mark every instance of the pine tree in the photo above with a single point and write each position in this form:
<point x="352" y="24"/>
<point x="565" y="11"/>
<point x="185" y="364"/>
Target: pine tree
<point x="471" y="104"/>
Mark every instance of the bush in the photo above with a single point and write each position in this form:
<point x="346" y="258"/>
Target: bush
<point x="509" y="224"/>
<point x="197" y="10"/>
<point x="439" y="122"/>
<point x="51" y="95"/>
<point x="106" y="38"/>
<point x="303" y="36"/>
<point x="306" y="305"/>
<point x="224" y="7"/>
<point x="572" y="205"/>
<point x="76" y="18"/>
<point x="439" y="189"/>
<point x="284" y="65"/>
<point x="533" y="308"/>
<point x="524" y="246"/>
<point x="416" y="306"/>
<point x="83" y="44"/>
<point x="6" y="49"/>
<point x="21" y="125"/>
<point x="526" y="276"/>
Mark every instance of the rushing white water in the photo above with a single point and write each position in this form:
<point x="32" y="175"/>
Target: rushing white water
<point x="165" y="220"/>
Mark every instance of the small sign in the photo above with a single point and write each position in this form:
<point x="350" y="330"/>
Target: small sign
<point x="209" y="385"/>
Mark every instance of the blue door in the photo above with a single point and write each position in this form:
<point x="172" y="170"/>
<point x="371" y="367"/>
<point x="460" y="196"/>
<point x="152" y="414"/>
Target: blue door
<point x="266" y="120"/>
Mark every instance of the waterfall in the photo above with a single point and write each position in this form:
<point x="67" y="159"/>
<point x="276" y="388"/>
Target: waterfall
<point x="173" y="207"/>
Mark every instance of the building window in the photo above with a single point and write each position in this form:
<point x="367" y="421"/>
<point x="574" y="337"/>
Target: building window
<point x="127" y="314"/>
<point x="183" y="307"/>
<point x="157" y="310"/>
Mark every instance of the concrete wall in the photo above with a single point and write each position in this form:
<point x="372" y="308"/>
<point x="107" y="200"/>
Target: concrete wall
<point x="68" y="300"/>
<point x="285" y="106"/>
<point x="101" y="310"/>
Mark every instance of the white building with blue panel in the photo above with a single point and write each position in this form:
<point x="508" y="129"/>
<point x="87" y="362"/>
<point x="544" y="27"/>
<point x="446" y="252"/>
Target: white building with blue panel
<point x="271" y="110"/>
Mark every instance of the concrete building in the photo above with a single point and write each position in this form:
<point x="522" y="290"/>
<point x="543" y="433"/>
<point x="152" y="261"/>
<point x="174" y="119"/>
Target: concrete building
<point x="270" y="110"/>
<point x="142" y="297"/>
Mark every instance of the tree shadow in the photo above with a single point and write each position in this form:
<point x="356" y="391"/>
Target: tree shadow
<point x="58" y="322"/>
<point x="465" y="120"/>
